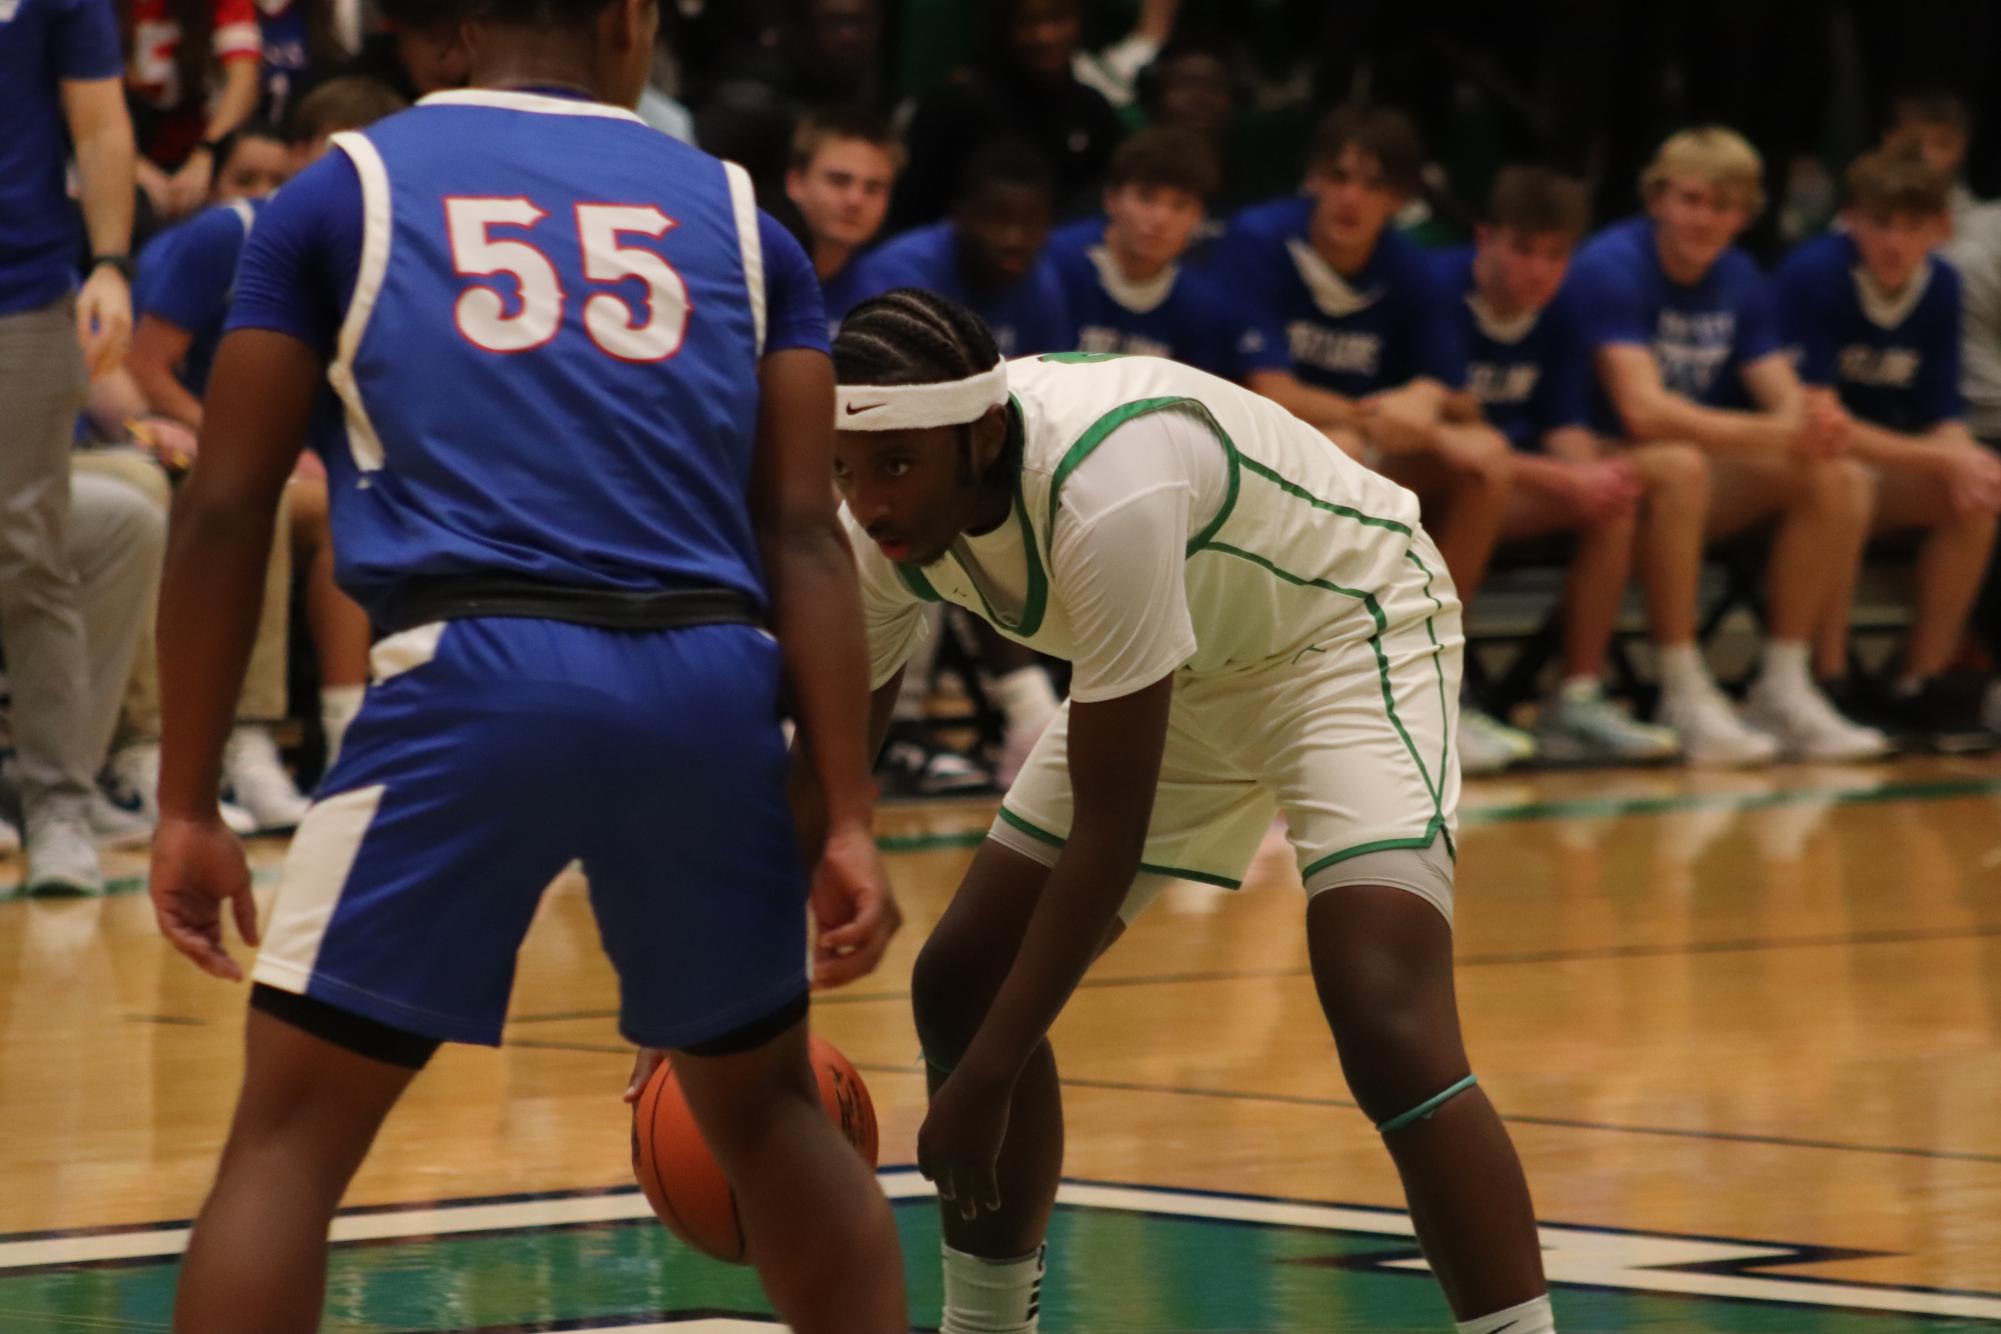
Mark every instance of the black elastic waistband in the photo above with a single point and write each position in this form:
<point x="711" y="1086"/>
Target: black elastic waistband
<point x="461" y="597"/>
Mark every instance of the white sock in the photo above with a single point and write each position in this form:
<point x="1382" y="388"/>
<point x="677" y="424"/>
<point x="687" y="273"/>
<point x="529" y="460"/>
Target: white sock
<point x="1529" y="1318"/>
<point x="1682" y="669"/>
<point x="338" y="705"/>
<point x="992" y="1296"/>
<point x="1579" y="687"/>
<point x="1786" y="667"/>
<point x="1027" y="698"/>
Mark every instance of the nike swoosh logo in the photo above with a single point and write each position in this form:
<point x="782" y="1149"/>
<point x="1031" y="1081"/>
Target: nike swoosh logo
<point x="856" y="409"/>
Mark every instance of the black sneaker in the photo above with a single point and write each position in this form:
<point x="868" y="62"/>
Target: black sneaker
<point x="1942" y="718"/>
<point x="912" y="764"/>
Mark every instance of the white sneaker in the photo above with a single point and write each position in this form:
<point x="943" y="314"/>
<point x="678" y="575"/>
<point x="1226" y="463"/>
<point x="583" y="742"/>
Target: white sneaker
<point x="1712" y="735"/>
<point x="1578" y="725"/>
<point x="1808" y="727"/>
<point x="62" y="857"/>
<point x="1487" y="745"/>
<point x="116" y="827"/>
<point x="257" y="781"/>
<point x="132" y="780"/>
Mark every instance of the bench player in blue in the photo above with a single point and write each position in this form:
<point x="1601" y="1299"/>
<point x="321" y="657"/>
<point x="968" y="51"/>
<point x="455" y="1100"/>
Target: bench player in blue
<point x="1353" y="333"/>
<point x="578" y="449"/>
<point x="1875" y="318"/>
<point x="1127" y="282"/>
<point x="1685" y="342"/>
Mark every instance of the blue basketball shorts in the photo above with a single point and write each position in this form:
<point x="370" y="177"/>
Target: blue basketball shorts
<point x="488" y="755"/>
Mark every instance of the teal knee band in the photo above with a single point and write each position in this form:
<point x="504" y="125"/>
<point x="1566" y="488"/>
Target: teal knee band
<point x="1428" y="1106"/>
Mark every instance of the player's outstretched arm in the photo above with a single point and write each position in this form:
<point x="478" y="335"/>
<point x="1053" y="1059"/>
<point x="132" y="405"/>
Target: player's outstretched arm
<point x="210" y="595"/>
<point x="817" y="614"/>
<point x="1114" y="749"/>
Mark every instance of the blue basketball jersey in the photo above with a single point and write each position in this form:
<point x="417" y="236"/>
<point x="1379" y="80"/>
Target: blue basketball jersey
<point x="1894" y="360"/>
<point x="547" y="365"/>
<point x="1532" y="374"/>
<point x="1355" y="334"/>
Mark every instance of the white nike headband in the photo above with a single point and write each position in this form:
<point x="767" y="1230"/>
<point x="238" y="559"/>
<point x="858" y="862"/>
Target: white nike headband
<point x="916" y="407"/>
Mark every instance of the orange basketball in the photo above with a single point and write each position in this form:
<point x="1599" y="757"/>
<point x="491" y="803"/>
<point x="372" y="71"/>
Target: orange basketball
<point x="682" y="1180"/>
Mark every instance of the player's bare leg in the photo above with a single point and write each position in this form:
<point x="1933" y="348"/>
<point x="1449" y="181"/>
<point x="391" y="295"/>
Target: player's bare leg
<point x="1595" y="584"/>
<point x="257" y="1260"/>
<point x="818" y="1227"/>
<point x="957" y="975"/>
<point x="1382" y="963"/>
<point x="1469" y="501"/>
<point x="339" y="626"/>
<point x="1674" y="505"/>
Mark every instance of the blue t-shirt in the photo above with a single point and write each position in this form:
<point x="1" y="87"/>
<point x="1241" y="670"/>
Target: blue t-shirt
<point x="1894" y="362"/>
<point x="843" y="292"/>
<point x="281" y="28"/>
<point x="43" y="43"/>
<point x="1384" y="326"/>
<point x="1702" y="335"/>
<point x="1026" y="318"/>
<point x="548" y="363"/>
<point x="186" y="276"/>
<point x="1182" y="315"/>
<point x="1531" y="374"/>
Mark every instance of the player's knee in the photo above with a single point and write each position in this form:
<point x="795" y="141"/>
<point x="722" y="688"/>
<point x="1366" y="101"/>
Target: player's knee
<point x="1678" y="472"/>
<point x="949" y="995"/>
<point x="1845" y="487"/>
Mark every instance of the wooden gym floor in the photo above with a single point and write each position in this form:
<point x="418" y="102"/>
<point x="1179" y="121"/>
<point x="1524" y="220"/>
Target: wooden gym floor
<point x="1746" y="1030"/>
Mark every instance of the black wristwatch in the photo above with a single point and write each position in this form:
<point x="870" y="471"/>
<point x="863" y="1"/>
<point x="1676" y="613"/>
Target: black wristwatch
<point x="123" y="263"/>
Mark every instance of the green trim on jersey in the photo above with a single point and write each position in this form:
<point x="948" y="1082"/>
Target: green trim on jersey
<point x="1375" y="610"/>
<point x="1094" y="435"/>
<point x="1042" y="835"/>
<point x="1418" y="844"/>
<point x="1437" y="666"/>
<point x="914" y="580"/>
<point x="1292" y="488"/>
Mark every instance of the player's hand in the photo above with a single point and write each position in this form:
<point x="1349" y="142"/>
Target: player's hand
<point x="173" y="443"/>
<point x="1973" y="478"/>
<point x="1604" y="489"/>
<point x="959" y="1143"/>
<point x="198" y="866"/>
<point x="1825" y="430"/>
<point x="187" y="189"/>
<point x="854" y="910"/>
<point x="104" y="320"/>
<point x="1394" y="424"/>
<point x="644" y="1062"/>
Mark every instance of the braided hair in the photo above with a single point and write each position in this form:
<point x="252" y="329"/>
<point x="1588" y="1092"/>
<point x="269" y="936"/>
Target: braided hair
<point x="913" y="336"/>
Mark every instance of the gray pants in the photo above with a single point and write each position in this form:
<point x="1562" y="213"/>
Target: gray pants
<point x="117" y="537"/>
<point x="41" y="390"/>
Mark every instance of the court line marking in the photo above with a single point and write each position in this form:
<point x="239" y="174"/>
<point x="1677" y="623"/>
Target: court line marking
<point x="1573" y="1255"/>
<point x="1316" y="1100"/>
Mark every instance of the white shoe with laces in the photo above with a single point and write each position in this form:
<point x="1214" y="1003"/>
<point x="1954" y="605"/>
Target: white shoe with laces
<point x="1712" y="735"/>
<point x="1487" y="745"/>
<point x="62" y="856"/>
<point x="1807" y="726"/>
<point x="257" y="780"/>
<point x="132" y="781"/>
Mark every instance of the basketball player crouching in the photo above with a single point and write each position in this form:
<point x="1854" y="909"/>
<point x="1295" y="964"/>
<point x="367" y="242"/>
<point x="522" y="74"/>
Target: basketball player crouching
<point x="1254" y="620"/>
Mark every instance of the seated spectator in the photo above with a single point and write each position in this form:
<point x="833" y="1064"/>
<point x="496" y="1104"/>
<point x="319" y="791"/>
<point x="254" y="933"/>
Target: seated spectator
<point x="1686" y="347"/>
<point x="844" y="164"/>
<point x="1938" y="124"/>
<point x="1875" y="319"/>
<point x="190" y="79"/>
<point x="1126" y="289"/>
<point x="1976" y="253"/>
<point x="988" y="256"/>
<point x="1354" y="333"/>
<point x="1026" y="89"/>
<point x="823" y="53"/>
<point x="1529" y="377"/>
<point x="186" y="278"/>
<point x="298" y="38"/>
